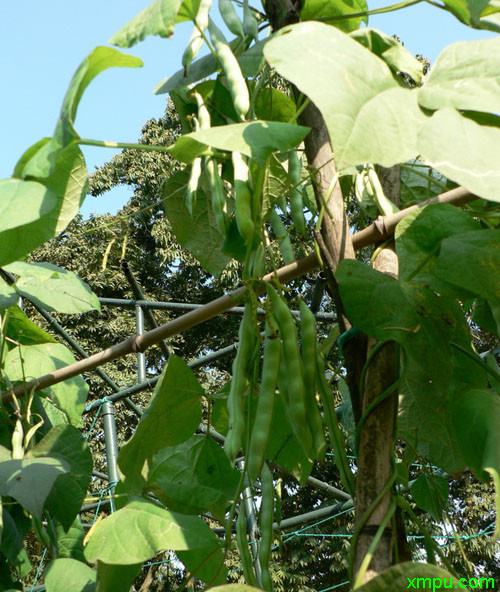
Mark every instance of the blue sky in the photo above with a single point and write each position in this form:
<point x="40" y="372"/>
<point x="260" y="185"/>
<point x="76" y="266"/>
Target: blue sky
<point x="42" y="43"/>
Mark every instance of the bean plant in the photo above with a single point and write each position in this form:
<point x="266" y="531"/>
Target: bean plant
<point x="354" y="125"/>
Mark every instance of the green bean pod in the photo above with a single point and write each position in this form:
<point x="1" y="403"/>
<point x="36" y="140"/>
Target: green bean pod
<point x="266" y="527"/>
<point x="241" y="539"/>
<point x="309" y="341"/>
<point x="336" y="437"/>
<point x="250" y="24"/>
<point x="243" y="198"/>
<point x="282" y="236"/>
<point x="196" y="40"/>
<point x="264" y="413"/>
<point x="293" y="363"/>
<point x="230" y="18"/>
<point x="296" y="202"/>
<point x="194" y="179"/>
<point x="218" y="196"/>
<point x="237" y="84"/>
<point x="203" y="113"/>
<point x="235" y="400"/>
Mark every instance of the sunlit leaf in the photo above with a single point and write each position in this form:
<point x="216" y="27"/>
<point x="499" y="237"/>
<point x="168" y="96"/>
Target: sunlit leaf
<point x="329" y="12"/>
<point x="152" y="529"/>
<point x="159" y="18"/>
<point x="198" y="233"/>
<point x="53" y="288"/>
<point x="29" y="481"/>
<point x="172" y="416"/>
<point x="33" y="361"/>
<point x="66" y="443"/>
<point x="69" y="575"/>
<point x="349" y="101"/>
<point x="22" y="202"/>
<point x="391" y="51"/>
<point x="465" y="76"/>
<point x="464" y="151"/>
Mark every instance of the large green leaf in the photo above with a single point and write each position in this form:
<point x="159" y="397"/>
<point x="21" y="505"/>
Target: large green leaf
<point x="410" y="575"/>
<point x="53" y="288"/>
<point x="66" y="443"/>
<point x="12" y="544"/>
<point x="33" y="361"/>
<point x="172" y="417"/>
<point x="70" y="542"/>
<point x="328" y="12"/>
<point x="465" y="76"/>
<point x="152" y="529"/>
<point x="424" y="419"/>
<point x="463" y="151"/>
<point x="116" y="578"/>
<point x="476" y="416"/>
<point x="479" y="14"/>
<point x="69" y="182"/>
<point x="197" y="233"/>
<point x="274" y="105"/>
<point x="24" y="331"/>
<point x="409" y="314"/>
<point x="69" y="575"/>
<point x="159" y="18"/>
<point x="193" y="477"/>
<point x="430" y="493"/>
<point x="471" y="261"/>
<point x="420" y="182"/>
<point x="250" y="62"/>
<point x="391" y="51"/>
<point x="419" y="236"/>
<point x="30" y="480"/>
<point x="207" y="566"/>
<point x="101" y="58"/>
<point x="349" y="102"/>
<point x="8" y="296"/>
<point x="22" y="202"/>
<point x="256" y="139"/>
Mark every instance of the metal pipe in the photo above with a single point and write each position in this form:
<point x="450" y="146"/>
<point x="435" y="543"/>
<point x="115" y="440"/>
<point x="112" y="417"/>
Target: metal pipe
<point x="314" y="515"/>
<point x="138" y="293"/>
<point x="141" y="356"/>
<point x="108" y="419"/>
<point x="152" y="304"/>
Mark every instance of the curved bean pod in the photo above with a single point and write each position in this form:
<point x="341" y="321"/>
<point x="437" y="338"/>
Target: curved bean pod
<point x="218" y="196"/>
<point x="230" y="18"/>
<point x="264" y="413"/>
<point x="235" y="402"/>
<point x="241" y="539"/>
<point x="315" y="422"/>
<point x="250" y="24"/>
<point x="237" y="84"/>
<point x="243" y="198"/>
<point x="282" y="237"/>
<point x="194" y="179"/>
<point x="196" y="40"/>
<point x="293" y="362"/>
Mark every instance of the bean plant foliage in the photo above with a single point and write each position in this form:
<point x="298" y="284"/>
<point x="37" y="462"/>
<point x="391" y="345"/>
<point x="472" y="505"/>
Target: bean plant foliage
<point x="244" y="170"/>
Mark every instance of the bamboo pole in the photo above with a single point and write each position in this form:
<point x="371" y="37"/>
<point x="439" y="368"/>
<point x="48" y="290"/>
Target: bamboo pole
<point x="381" y="229"/>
